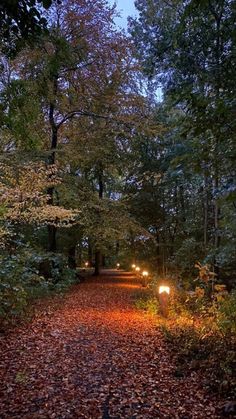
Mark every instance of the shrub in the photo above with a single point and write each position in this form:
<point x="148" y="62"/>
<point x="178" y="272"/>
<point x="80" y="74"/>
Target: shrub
<point x="201" y="328"/>
<point x="226" y="316"/>
<point x="28" y="275"/>
<point x="150" y="305"/>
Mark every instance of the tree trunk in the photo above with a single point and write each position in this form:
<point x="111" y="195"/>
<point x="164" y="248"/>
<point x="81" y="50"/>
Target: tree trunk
<point x="52" y="230"/>
<point x="216" y="224"/>
<point x="206" y="210"/>
<point x="158" y="254"/>
<point x="90" y="254"/>
<point x="117" y="249"/>
<point x="79" y="254"/>
<point x="100" y="194"/>
<point x="162" y="247"/>
<point x="101" y="187"/>
<point x="72" y="257"/>
<point x="52" y="243"/>
<point x="218" y="18"/>
<point x="97" y="263"/>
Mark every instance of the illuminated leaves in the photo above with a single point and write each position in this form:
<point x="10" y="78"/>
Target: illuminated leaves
<point x="205" y="274"/>
<point x="26" y="182"/>
<point x="44" y="215"/>
<point x="24" y="195"/>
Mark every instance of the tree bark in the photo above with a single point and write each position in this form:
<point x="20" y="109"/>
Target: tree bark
<point x="52" y="230"/>
<point x="90" y="254"/>
<point x="97" y="263"/>
<point x="100" y="194"/>
<point x="52" y="242"/>
<point x="158" y="253"/>
<point x="218" y="18"/>
<point x="72" y="257"/>
<point x="206" y="210"/>
<point x="103" y="261"/>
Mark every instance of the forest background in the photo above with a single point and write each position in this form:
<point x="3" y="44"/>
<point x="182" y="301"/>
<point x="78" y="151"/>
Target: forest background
<point x="93" y="167"/>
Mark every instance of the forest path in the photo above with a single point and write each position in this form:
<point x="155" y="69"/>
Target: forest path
<point x="95" y="355"/>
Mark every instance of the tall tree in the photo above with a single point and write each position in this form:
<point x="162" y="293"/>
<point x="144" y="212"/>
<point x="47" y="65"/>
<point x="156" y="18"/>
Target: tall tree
<point x="21" y="21"/>
<point x="189" y="47"/>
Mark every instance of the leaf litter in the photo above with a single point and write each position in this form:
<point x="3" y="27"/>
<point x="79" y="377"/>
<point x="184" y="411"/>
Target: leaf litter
<point x="94" y="355"/>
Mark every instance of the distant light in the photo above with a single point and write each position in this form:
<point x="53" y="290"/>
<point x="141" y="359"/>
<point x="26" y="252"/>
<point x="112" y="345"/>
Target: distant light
<point x="137" y="268"/>
<point x="145" y="273"/>
<point x="133" y="266"/>
<point x="86" y="264"/>
<point x="118" y="265"/>
<point x="164" y="288"/>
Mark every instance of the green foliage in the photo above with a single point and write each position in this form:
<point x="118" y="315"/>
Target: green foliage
<point x="23" y="119"/>
<point x="203" y="349"/>
<point x="28" y="275"/>
<point x="194" y="198"/>
<point x="152" y="181"/>
<point x="186" y="256"/>
<point x="150" y="305"/>
<point x="51" y="265"/>
<point x="226" y="315"/>
<point x="12" y="299"/>
<point x="21" y="20"/>
<point x="201" y="328"/>
<point x="204" y="335"/>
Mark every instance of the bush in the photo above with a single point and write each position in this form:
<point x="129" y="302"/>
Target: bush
<point x="204" y="349"/>
<point x="13" y="297"/>
<point x="150" y="305"/>
<point x="28" y="275"/>
<point x="226" y="315"/>
<point x="206" y="343"/>
<point x="201" y="328"/>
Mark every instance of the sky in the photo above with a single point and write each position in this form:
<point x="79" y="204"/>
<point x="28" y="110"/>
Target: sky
<point x="126" y="8"/>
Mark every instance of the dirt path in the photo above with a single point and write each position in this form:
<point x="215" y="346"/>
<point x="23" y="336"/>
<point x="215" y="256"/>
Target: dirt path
<point x="95" y="356"/>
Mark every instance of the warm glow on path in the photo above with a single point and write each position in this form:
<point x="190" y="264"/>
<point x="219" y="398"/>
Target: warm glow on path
<point x="91" y="354"/>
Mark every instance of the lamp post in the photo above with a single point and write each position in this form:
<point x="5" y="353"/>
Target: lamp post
<point x="144" y="278"/>
<point x="137" y="270"/>
<point x="163" y="293"/>
<point x="86" y="264"/>
<point x="133" y="266"/>
<point x="117" y="266"/>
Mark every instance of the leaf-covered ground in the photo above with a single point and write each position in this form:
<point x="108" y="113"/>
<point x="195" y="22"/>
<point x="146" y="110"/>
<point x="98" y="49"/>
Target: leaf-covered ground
<point x="95" y="356"/>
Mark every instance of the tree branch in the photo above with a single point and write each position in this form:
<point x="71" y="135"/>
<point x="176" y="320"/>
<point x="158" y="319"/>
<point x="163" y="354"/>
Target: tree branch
<point x="75" y="113"/>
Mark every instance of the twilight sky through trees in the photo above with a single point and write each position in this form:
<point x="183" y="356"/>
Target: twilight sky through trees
<point x="126" y="8"/>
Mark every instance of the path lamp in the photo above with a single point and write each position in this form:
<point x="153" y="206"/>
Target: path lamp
<point x="133" y="266"/>
<point x="117" y="266"/>
<point x="144" y="278"/>
<point x="164" y="292"/>
<point x="86" y="264"/>
<point x="137" y="270"/>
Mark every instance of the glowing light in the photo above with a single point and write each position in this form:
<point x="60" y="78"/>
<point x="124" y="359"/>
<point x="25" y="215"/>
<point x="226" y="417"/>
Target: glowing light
<point x="133" y="266"/>
<point x="117" y="265"/>
<point x="86" y="264"/>
<point x="137" y="268"/>
<point x="145" y="273"/>
<point x="164" y="288"/>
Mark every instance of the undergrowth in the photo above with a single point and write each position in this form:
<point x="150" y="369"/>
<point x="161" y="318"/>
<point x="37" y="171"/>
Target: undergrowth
<point x="29" y="276"/>
<point x="201" y="331"/>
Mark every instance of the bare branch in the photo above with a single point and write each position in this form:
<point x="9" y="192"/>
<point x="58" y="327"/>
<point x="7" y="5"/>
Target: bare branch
<point x="75" y="113"/>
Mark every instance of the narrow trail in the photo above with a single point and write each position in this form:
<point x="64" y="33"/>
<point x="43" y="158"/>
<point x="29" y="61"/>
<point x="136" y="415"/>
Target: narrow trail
<point x="95" y="356"/>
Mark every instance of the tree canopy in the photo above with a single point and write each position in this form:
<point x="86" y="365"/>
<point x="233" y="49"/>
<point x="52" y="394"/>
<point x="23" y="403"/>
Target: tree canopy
<point x="93" y="167"/>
